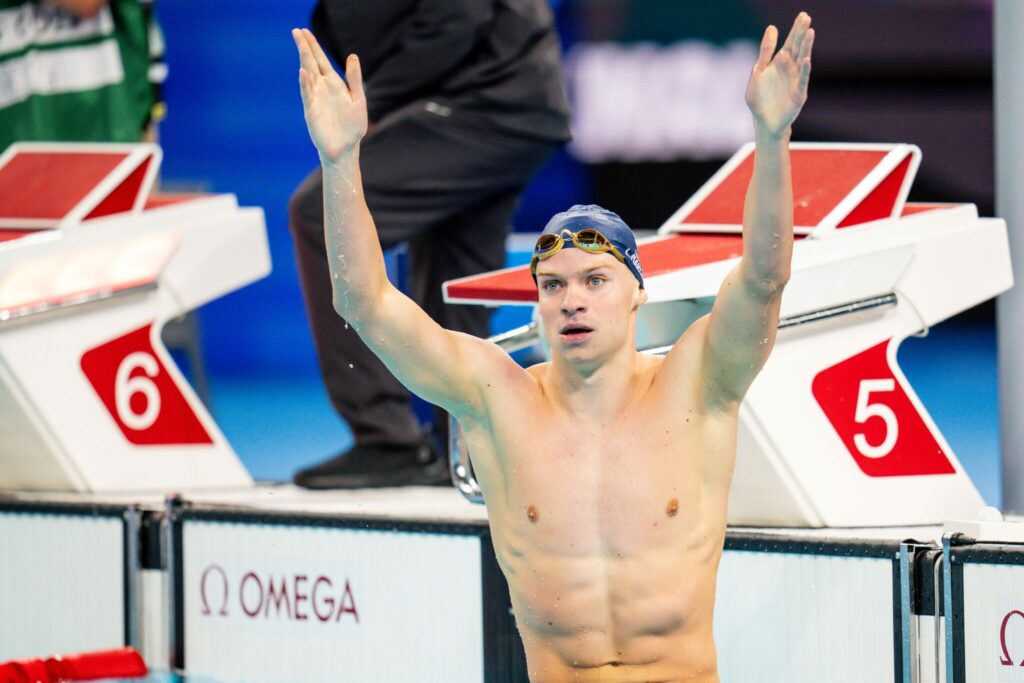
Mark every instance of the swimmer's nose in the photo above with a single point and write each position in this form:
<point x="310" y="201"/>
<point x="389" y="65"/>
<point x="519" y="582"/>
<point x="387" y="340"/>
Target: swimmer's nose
<point x="572" y="303"/>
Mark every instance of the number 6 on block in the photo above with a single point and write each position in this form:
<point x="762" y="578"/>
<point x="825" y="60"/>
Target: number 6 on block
<point x="126" y="386"/>
<point x="901" y="442"/>
<point x="143" y="399"/>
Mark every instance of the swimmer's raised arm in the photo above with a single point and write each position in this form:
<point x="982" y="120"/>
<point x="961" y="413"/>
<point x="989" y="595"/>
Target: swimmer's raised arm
<point x="740" y="332"/>
<point x="443" y="367"/>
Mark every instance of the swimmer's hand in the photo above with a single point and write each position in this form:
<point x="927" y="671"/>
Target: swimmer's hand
<point x="778" y="86"/>
<point x="335" y="111"/>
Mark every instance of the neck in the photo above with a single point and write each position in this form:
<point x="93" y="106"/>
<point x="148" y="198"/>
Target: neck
<point x="599" y="389"/>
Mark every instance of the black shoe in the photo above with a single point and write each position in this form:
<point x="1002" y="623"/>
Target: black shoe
<point x="378" y="466"/>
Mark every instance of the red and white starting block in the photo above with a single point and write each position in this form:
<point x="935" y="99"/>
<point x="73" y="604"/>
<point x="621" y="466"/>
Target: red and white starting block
<point x="91" y="268"/>
<point x="831" y="433"/>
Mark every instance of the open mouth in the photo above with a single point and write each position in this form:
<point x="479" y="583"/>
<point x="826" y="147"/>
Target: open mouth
<point x="574" y="332"/>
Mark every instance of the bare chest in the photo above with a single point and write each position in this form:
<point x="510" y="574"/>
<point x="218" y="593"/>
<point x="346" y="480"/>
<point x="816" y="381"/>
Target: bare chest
<point x="612" y="487"/>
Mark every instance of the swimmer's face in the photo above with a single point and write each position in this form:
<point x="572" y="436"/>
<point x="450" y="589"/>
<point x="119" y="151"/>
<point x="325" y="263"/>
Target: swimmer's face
<point x="588" y="303"/>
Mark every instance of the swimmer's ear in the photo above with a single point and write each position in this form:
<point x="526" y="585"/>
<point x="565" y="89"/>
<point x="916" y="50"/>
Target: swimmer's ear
<point x="639" y="298"/>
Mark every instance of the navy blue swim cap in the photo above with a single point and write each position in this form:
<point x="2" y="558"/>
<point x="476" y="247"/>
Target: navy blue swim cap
<point x="608" y="223"/>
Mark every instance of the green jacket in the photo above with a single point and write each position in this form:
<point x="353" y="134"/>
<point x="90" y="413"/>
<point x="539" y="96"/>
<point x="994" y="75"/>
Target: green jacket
<point x="68" y="79"/>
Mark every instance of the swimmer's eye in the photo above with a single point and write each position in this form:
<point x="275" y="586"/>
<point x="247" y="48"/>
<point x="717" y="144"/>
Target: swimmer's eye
<point x="550" y="285"/>
<point x="595" y="280"/>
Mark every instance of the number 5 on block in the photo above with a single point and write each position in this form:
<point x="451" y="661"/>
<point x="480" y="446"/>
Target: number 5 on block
<point x="875" y="417"/>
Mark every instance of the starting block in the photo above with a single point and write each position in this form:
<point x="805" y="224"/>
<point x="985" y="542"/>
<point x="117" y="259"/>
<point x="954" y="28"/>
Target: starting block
<point x="831" y="433"/>
<point x="91" y="268"/>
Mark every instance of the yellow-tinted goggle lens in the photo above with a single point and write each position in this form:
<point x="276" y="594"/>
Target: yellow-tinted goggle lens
<point x="591" y="240"/>
<point x="547" y="243"/>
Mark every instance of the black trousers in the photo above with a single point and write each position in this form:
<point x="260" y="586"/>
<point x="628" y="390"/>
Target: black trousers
<point x="447" y="184"/>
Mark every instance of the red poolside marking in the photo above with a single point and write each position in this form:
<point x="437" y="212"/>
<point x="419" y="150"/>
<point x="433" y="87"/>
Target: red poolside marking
<point x="660" y="256"/>
<point x="122" y="199"/>
<point x="48" y="186"/>
<point x="821" y="179"/>
<point x="880" y="201"/>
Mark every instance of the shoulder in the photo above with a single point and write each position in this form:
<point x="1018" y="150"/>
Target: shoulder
<point x="494" y="369"/>
<point x="680" y="378"/>
<point x="685" y="356"/>
<point x="485" y="359"/>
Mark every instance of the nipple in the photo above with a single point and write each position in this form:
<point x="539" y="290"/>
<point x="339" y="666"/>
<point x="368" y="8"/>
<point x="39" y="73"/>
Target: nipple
<point x="672" y="509"/>
<point x="532" y="513"/>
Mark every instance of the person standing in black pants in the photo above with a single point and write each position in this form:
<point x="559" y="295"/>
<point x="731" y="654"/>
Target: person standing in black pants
<point x="465" y="103"/>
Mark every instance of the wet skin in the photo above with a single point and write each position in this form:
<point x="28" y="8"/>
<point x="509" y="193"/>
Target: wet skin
<point x="608" y="524"/>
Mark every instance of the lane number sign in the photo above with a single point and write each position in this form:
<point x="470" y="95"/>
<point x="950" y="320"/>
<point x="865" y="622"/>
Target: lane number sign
<point x="140" y="395"/>
<point x="878" y="422"/>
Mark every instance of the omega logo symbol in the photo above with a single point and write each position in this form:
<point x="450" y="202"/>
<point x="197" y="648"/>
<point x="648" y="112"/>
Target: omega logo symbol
<point x="219" y="589"/>
<point x="1006" y="660"/>
<point x="289" y="597"/>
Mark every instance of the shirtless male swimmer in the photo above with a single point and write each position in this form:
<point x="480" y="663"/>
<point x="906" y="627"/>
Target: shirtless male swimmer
<point x="606" y="471"/>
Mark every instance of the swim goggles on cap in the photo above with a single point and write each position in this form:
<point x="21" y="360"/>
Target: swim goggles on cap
<point x="588" y="239"/>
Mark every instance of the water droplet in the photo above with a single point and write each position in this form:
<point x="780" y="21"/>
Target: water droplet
<point x="350" y="366"/>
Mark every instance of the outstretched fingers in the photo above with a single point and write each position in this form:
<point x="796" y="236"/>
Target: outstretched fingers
<point x="791" y="36"/>
<point x="768" y="42"/>
<point x="354" y="76"/>
<point x="306" y="59"/>
<point x="804" y="60"/>
<point x="308" y="71"/>
<point x="805" y="47"/>
<point x="796" y="34"/>
<point x="322" y="62"/>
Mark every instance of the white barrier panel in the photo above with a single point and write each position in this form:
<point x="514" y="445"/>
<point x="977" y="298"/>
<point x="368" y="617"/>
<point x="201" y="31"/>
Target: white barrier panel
<point x="267" y="602"/>
<point x="986" y="593"/>
<point x="808" y="612"/>
<point x="62" y="580"/>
